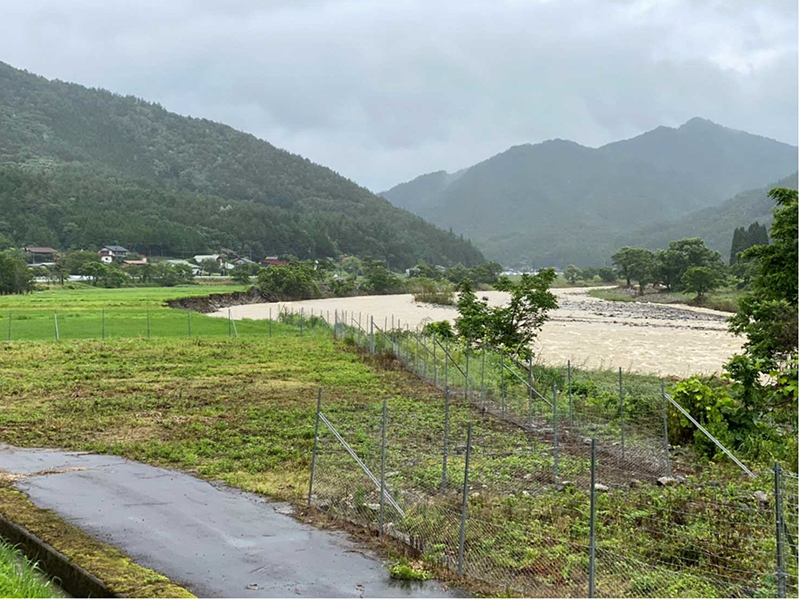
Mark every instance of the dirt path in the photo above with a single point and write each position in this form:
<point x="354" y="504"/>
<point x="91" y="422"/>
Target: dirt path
<point x="213" y="540"/>
<point x="648" y="338"/>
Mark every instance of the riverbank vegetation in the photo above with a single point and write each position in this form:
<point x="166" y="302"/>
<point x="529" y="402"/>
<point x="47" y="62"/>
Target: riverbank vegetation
<point x="21" y="578"/>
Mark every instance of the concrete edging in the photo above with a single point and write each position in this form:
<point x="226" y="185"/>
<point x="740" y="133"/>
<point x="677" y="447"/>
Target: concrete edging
<point x="73" y="578"/>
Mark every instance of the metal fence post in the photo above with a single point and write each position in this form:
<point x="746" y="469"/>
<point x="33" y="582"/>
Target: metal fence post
<point x="483" y="374"/>
<point x="383" y="466"/>
<point x="466" y="374"/>
<point x="301" y="320"/>
<point x="621" y="413"/>
<point x="10" y="315"/>
<point x="435" y="367"/>
<point x="446" y="354"/>
<point x="530" y="391"/>
<point x="503" y="382"/>
<point x="335" y="323"/>
<point x="270" y="321"/>
<point x="371" y="335"/>
<point x="314" y="453"/>
<point x="591" y="525"/>
<point x="189" y="322"/>
<point x="55" y="323"/>
<point x="230" y="327"/>
<point x="666" y="431"/>
<point x="780" y="573"/>
<point x="464" y="496"/>
<point x="446" y="432"/>
<point x="103" y="323"/>
<point x="555" y="434"/>
<point x="569" y="393"/>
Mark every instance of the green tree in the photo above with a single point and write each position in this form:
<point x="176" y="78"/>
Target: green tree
<point x="700" y="280"/>
<point x="242" y="273"/>
<point x="513" y="326"/>
<point x="15" y="276"/>
<point x="670" y="266"/>
<point x="290" y="282"/>
<point x="93" y="270"/>
<point x="73" y="261"/>
<point x="457" y="274"/>
<point x="379" y="279"/>
<point x="607" y="275"/>
<point x="572" y="273"/>
<point x="210" y="266"/>
<point x="625" y="259"/>
<point x="486" y="273"/>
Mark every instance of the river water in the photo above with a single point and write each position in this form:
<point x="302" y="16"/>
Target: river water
<point x="642" y="337"/>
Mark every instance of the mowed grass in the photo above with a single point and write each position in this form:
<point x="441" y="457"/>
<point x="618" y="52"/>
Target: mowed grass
<point x="19" y="577"/>
<point x="86" y="312"/>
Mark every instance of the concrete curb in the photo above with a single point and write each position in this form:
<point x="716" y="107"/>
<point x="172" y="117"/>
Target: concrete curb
<point x="74" y="579"/>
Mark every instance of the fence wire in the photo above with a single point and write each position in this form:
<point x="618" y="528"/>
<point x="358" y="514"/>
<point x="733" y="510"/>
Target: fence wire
<point x="526" y="526"/>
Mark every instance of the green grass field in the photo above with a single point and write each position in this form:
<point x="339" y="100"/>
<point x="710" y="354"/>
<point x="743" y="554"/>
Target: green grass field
<point x="241" y="410"/>
<point x="19" y="578"/>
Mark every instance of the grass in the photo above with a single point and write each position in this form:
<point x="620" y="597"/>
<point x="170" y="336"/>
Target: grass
<point x="20" y="578"/>
<point x="241" y="410"/>
<point x="724" y="299"/>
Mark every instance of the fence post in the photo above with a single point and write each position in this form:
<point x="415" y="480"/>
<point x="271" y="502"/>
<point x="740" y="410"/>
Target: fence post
<point x="55" y="323"/>
<point x="435" y="366"/>
<point x="779" y="571"/>
<point x="555" y="433"/>
<point x="372" y="335"/>
<point x="569" y="393"/>
<point x="10" y="314"/>
<point x="314" y="454"/>
<point x="230" y="333"/>
<point x="466" y="373"/>
<point x="666" y="432"/>
<point x="591" y="525"/>
<point x="446" y="354"/>
<point x="621" y="413"/>
<point x="383" y="466"/>
<point x="446" y="432"/>
<point x="301" y="320"/>
<point x="103" y="323"/>
<point x="464" y="496"/>
<point x="483" y="374"/>
<point x="335" y="323"/>
<point x="189" y="322"/>
<point x="270" y="321"/>
<point x="530" y="391"/>
<point x="148" y="324"/>
<point x="503" y="382"/>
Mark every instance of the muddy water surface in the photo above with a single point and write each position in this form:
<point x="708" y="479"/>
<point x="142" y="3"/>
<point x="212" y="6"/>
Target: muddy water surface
<point x="647" y="338"/>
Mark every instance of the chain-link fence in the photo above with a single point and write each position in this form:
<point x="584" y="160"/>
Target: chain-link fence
<point x="545" y="481"/>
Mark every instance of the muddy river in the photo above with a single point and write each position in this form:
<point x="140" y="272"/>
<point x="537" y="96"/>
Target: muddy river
<point x="647" y="338"/>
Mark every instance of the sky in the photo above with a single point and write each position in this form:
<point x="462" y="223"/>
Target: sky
<point x="383" y="90"/>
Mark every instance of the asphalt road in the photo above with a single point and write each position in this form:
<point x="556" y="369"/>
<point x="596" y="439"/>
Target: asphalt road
<point x="213" y="540"/>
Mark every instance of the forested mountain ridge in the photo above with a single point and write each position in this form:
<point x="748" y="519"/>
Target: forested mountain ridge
<point x="714" y="225"/>
<point x="558" y="202"/>
<point x="93" y="166"/>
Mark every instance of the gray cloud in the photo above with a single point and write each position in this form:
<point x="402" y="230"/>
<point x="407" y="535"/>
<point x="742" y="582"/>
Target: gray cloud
<point x="384" y="91"/>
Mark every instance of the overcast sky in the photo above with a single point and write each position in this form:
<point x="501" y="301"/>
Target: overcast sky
<point x="382" y="91"/>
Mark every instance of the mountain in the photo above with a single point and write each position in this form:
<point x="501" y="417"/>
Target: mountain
<point x="85" y="167"/>
<point x="558" y="202"/>
<point x="715" y="225"/>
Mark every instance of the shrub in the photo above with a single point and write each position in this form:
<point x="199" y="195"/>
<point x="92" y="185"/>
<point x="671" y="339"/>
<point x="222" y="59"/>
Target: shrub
<point x="433" y="292"/>
<point x="441" y="329"/>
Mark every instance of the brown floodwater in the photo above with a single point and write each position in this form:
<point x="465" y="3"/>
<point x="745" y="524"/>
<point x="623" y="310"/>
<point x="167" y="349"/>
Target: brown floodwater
<point x="643" y="337"/>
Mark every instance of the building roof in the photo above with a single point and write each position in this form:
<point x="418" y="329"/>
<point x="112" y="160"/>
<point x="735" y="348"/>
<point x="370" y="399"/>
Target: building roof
<point x="201" y="257"/>
<point x="114" y="248"/>
<point x="39" y="250"/>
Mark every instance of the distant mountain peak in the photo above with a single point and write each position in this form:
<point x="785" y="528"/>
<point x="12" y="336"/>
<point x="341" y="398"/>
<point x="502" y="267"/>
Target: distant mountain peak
<point x="700" y="122"/>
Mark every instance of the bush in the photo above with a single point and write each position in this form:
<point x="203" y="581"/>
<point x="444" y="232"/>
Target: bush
<point x="433" y="292"/>
<point x="290" y="282"/>
<point x="441" y="329"/>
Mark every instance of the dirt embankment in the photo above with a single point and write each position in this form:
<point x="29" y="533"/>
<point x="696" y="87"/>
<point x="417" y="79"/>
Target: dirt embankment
<point x="215" y="302"/>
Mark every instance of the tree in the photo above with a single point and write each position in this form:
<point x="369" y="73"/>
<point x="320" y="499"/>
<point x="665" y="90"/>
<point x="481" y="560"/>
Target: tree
<point x="625" y="259"/>
<point x="242" y="273"/>
<point x="289" y="282"/>
<point x="670" y="266"/>
<point x="457" y="274"/>
<point x="93" y="270"/>
<point x="73" y="261"/>
<point x="700" y="280"/>
<point x="379" y="279"/>
<point x="15" y="276"/>
<point x="767" y="315"/>
<point x="486" y="273"/>
<point x="511" y="327"/>
<point x="209" y="266"/>
<point x="572" y="273"/>
<point x="589" y="273"/>
<point x="607" y="275"/>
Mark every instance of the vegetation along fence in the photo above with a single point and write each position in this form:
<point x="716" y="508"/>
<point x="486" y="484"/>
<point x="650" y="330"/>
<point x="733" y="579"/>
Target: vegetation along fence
<point x="547" y="482"/>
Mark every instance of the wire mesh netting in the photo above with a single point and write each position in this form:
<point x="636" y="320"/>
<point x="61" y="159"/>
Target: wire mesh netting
<point x="526" y="503"/>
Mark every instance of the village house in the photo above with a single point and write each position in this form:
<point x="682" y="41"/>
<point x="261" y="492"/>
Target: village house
<point x="270" y="261"/>
<point x="40" y="255"/>
<point x="109" y="253"/>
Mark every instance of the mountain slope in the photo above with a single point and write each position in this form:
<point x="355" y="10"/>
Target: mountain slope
<point x="88" y="146"/>
<point x="715" y="225"/>
<point x="558" y="202"/>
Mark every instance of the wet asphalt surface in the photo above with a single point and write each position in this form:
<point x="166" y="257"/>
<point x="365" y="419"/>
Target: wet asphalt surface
<point x="213" y="540"/>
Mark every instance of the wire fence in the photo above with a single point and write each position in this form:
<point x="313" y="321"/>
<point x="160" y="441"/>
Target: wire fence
<point x="510" y="479"/>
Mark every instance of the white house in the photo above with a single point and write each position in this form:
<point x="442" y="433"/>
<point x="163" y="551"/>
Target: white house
<point x="109" y="253"/>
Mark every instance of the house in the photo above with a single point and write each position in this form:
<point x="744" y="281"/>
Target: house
<point x="243" y="261"/>
<point x="38" y="255"/>
<point x="137" y="263"/>
<point x="109" y="253"/>
<point x="195" y="269"/>
<point x="270" y="261"/>
<point x="229" y="252"/>
<point x="200" y="258"/>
